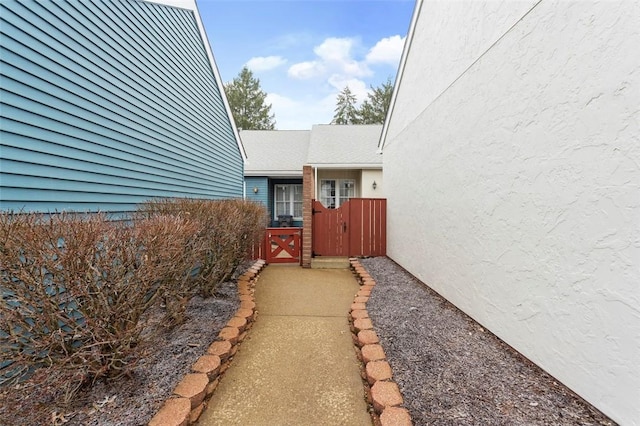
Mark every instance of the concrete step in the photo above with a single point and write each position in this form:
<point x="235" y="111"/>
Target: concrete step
<point x="330" y="262"/>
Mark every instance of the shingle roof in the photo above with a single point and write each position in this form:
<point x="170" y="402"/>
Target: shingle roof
<point x="345" y="145"/>
<point x="275" y="152"/>
<point x="284" y="152"/>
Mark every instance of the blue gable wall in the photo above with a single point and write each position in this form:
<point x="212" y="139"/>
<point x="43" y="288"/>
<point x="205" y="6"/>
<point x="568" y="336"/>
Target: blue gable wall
<point x="105" y="104"/>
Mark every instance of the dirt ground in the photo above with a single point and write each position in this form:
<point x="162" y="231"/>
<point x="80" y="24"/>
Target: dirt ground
<point x="452" y="371"/>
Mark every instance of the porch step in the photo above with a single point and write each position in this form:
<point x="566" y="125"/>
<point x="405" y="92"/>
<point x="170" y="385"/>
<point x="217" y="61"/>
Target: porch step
<point x="329" y="262"/>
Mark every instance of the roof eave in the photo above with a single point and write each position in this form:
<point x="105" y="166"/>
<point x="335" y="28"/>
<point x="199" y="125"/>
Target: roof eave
<point x="269" y="173"/>
<point x="216" y="73"/>
<point x="396" y="87"/>
<point x="346" y="165"/>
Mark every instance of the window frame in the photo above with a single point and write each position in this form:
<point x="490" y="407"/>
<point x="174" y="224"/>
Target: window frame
<point x="337" y="196"/>
<point x="291" y="203"/>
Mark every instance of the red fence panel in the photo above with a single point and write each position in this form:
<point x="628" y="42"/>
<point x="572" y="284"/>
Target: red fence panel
<point x="368" y="227"/>
<point x="357" y="228"/>
<point x="258" y="250"/>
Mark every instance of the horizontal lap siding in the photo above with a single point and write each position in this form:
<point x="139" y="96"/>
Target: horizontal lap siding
<point x="109" y="103"/>
<point x="262" y="183"/>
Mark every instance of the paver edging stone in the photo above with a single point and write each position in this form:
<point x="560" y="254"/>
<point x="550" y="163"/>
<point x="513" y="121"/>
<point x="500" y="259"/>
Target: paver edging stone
<point x="385" y="400"/>
<point x="190" y="396"/>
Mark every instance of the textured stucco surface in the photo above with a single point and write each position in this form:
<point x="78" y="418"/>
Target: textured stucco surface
<point x="517" y="180"/>
<point x="451" y="50"/>
<point x="367" y="179"/>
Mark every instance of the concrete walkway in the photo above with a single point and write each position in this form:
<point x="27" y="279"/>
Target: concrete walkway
<point x="297" y="365"/>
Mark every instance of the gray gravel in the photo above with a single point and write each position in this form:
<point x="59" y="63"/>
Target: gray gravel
<point x="452" y="371"/>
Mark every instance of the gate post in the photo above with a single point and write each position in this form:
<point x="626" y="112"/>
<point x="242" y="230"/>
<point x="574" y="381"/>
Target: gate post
<point x="307" y="215"/>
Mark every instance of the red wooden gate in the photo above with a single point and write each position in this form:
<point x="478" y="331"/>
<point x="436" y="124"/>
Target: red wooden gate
<point x="357" y="228"/>
<point x="330" y="226"/>
<point x="283" y="245"/>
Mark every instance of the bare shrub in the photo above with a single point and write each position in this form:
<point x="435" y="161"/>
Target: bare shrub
<point x="172" y="245"/>
<point x="74" y="288"/>
<point x="228" y="229"/>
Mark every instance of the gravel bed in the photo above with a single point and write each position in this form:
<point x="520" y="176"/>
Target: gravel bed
<point x="452" y="371"/>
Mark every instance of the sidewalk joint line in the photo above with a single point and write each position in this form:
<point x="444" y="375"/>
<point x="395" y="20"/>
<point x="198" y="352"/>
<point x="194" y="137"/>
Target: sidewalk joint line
<point x="303" y="315"/>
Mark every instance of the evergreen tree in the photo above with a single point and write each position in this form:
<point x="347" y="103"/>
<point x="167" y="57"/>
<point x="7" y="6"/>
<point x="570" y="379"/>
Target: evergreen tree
<point x="247" y="102"/>
<point x="374" y="108"/>
<point x="346" y="112"/>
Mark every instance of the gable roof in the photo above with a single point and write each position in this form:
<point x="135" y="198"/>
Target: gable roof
<point x="285" y="152"/>
<point x="345" y="146"/>
<point x="275" y="152"/>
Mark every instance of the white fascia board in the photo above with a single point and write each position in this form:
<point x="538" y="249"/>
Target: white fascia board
<point x="272" y="173"/>
<point x="396" y="85"/>
<point x="347" y="166"/>
<point x="183" y="4"/>
<point x="191" y="5"/>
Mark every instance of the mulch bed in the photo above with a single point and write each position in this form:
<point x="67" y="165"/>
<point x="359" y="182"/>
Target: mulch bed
<point x="452" y="371"/>
<point x="134" y="400"/>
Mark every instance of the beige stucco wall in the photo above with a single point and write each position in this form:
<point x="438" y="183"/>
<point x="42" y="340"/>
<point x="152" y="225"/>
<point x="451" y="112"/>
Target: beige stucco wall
<point x="367" y="179"/>
<point x="338" y="174"/>
<point x="522" y="157"/>
<point x="364" y="180"/>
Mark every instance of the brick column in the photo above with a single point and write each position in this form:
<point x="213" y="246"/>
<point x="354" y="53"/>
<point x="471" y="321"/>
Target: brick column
<point x="307" y="214"/>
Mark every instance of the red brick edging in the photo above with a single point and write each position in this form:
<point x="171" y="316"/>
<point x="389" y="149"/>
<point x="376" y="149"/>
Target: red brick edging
<point x="190" y="396"/>
<point x="382" y="392"/>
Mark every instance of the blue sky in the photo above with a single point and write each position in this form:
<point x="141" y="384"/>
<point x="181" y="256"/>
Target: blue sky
<point x="305" y="51"/>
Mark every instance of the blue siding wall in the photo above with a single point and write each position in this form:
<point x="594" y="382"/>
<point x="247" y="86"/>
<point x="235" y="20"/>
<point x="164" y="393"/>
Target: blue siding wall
<point x="261" y="183"/>
<point x="107" y="103"/>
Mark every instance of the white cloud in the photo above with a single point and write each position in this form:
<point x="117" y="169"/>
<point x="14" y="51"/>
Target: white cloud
<point x="336" y="63"/>
<point x="306" y="70"/>
<point x="335" y="49"/>
<point x="265" y="63"/>
<point x="357" y="86"/>
<point x="388" y="50"/>
<point x="301" y="114"/>
<point x="333" y="55"/>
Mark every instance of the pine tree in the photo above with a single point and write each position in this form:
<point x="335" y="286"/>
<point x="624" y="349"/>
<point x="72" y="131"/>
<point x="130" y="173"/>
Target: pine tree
<point x="346" y="112"/>
<point x="247" y="102"/>
<point x="374" y="108"/>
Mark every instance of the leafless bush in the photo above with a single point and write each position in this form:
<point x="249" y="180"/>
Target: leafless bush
<point x="74" y="288"/>
<point x="172" y="239"/>
<point x="228" y="229"/>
